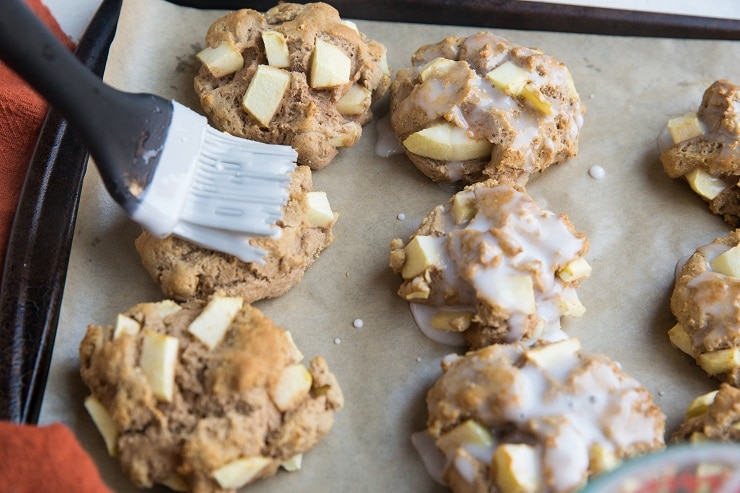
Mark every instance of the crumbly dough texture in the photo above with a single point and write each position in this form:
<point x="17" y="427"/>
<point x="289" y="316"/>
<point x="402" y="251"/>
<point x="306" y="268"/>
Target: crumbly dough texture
<point x="503" y="235"/>
<point x="717" y="152"/>
<point x="184" y="270"/>
<point x="720" y="421"/>
<point x="221" y="409"/>
<point x="579" y="413"/>
<point x="307" y="119"/>
<point x="525" y="140"/>
<point x="704" y="303"/>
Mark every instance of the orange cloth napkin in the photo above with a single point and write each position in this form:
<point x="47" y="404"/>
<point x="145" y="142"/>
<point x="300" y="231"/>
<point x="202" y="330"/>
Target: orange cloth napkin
<point x="45" y="458"/>
<point x="32" y="458"/>
<point x="21" y="115"/>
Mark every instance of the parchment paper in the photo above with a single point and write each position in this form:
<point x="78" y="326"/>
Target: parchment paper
<point x="639" y="222"/>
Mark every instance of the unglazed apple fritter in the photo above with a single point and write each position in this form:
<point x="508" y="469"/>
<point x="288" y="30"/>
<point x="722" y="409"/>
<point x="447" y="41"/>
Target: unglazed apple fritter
<point x="204" y="397"/>
<point x="298" y="75"/>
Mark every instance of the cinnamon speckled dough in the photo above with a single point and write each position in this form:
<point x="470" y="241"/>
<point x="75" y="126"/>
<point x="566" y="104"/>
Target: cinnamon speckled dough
<point x="716" y="152"/>
<point x="307" y="118"/>
<point x="501" y="261"/>
<point x="705" y="304"/>
<point x="524" y="139"/>
<point x="719" y="420"/>
<point x="222" y="408"/>
<point x="184" y="270"/>
<point x="565" y="415"/>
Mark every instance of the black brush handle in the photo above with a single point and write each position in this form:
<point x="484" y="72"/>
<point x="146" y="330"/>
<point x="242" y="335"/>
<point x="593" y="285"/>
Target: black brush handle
<point x="119" y="129"/>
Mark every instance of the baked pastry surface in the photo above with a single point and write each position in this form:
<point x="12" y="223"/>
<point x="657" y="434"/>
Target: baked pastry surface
<point x="204" y="397"/>
<point x="306" y="79"/>
<point x="184" y="270"/>
<point x="478" y="107"/>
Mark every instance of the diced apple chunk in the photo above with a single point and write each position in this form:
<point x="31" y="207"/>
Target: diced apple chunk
<point x="215" y="319"/>
<point x="516" y="293"/>
<point x="348" y="137"/>
<point x="569" y="304"/>
<point x="384" y="64"/>
<point x="293" y="384"/>
<point x="698" y="437"/>
<point x="701" y="404"/>
<point x="330" y="66"/>
<point x="685" y="127"/>
<point x="350" y="25"/>
<point x="536" y="99"/>
<point x="728" y="263"/>
<point x="462" y="208"/>
<point x="452" y="320"/>
<point x="293" y="351"/>
<point x="276" y="49"/>
<point x="705" y="184"/>
<point x="176" y="483"/>
<point x="469" y="435"/>
<point x="221" y="60"/>
<point x="158" y="361"/>
<point x="576" y="270"/>
<point x="103" y="422"/>
<point x="265" y="93"/>
<point x="515" y="81"/>
<point x="293" y="464"/>
<point x="602" y="459"/>
<point x="571" y="85"/>
<point x="236" y="474"/>
<point x="420" y="291"/>
<point x="356" y="101"/>
<point x="318" y="211"/>
<point x="517" y="468"/>
<point x="681" y="339"/>
<point x="436" y="66"/>
<point x="720" y="361"/>
<point x="447" y="142"/>
<point x="421" y="253"/>
<point x="552" y="355"/>
<point x="166" y="308"/>
<point x="508" y="77"/>
<point x="125" y="326"/>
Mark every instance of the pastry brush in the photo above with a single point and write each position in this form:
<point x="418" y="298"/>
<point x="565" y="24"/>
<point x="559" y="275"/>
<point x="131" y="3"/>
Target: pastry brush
<point x="161" y="161"/>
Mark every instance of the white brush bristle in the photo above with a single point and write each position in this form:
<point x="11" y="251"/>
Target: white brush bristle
<point x="214" y="189"/>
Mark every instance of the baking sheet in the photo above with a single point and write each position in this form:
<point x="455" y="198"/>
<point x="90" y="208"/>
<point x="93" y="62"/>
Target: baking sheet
<point x="639" y="223"/>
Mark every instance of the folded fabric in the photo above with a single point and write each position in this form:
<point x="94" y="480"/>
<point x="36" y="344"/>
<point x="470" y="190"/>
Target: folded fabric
<point x="21" y="113"/>
<point x="45" y="458"/>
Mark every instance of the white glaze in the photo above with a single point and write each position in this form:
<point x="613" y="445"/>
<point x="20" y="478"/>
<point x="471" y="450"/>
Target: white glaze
<point x="543" y="242"/>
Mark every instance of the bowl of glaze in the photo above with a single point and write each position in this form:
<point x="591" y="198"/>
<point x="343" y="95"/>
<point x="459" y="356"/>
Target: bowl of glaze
<point x="697" y="468"/>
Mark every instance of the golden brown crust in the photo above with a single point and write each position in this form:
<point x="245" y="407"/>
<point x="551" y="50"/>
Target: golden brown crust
<point x="716" y="152"/>
<point x="186" y="271"/>
<point x="308" y="119"/>
<point x="719" y="422"/>
<point x="506" y="222"/>
<point x="520" y="400"/>
<point x="525" y="141"/>
<point x="222" y="407"/>
<point x="704" y="303"/>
